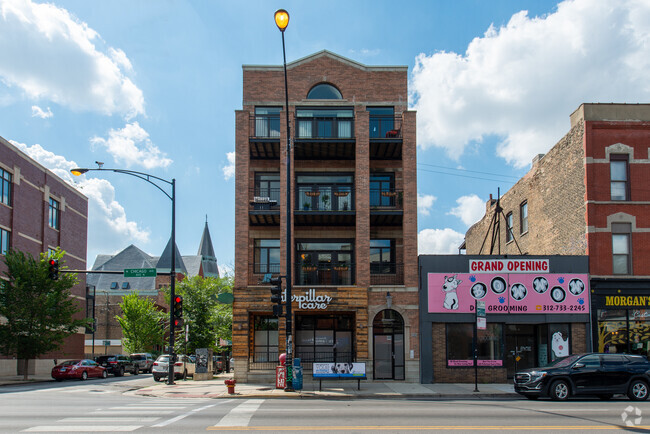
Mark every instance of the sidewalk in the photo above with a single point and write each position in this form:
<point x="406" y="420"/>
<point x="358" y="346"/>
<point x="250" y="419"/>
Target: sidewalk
<point x="331" y="389"/>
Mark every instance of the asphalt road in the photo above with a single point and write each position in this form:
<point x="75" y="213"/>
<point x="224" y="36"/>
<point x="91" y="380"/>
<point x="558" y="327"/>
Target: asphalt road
<point x="107" y="405"/>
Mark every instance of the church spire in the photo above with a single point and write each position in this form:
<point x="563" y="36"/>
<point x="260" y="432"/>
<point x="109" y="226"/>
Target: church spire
<point x="206" y="251"/>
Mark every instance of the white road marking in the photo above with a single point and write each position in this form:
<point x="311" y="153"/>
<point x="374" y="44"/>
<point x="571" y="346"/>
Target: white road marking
<point x="242" y="414"/>
<point x="150" y="407"/>
<point x="109" y="419"/>
<point x="182" y="416"/>
<point x="132" y="412"/>
<point x="81" y="428"/>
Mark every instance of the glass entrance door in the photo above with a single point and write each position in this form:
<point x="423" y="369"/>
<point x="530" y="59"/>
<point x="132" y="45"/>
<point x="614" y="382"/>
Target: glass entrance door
<point x="521" y="348"/>
<point x="388" y="354"/>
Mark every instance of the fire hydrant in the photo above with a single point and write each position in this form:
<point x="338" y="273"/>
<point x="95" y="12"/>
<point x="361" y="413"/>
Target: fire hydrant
<point x="231" y="386"/>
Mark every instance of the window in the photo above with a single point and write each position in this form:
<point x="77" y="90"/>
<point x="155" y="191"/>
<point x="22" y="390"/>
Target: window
<point x="324" y="192"/>
<point x="324" y="91"/>
<point x="125" y="285"/>
<point x="382" y="257"/>
<point x="5" y="187"/>
<point x="4" y="241"/>
<point x="324" y="262"/>
<point x="618" y="170"/>
<point x="509" y="233"/>
<point x="267" y="122"/>
<point x="114" y="285"/>
<point x="324" y="338"/>
<point x="382" y="120"/>
<point x="54" y="215"/>
<point x="523" y="217"/>
<point x="382" y="189"/>
<point x="489" y="342"/>
<point x="267" y="185"/>
<point x="266" y="339"/>
<point x="267" y="256"/>
<point x="622" y="263"/>
<point x="324" y="123"/>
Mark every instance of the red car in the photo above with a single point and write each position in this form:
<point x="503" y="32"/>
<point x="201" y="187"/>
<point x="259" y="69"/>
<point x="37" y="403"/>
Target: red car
<point x="80" y="369"/>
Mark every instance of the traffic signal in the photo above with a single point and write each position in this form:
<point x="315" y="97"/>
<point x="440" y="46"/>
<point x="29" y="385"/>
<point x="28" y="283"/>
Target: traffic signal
<point x="178" y="323"/>
<point x="276" y="296"/>
<point x="53" y="268"/>
<point x="178" y="306"/>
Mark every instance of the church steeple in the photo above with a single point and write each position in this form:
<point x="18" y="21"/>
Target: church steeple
<point x="206" y="251"/>
<point x="165" y="261"/>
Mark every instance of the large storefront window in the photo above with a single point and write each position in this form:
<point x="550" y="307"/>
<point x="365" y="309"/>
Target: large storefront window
<point x="624" y="331"/>
<point x="324" y="338"/>
<point x="266" y="339"/>
<point x="489" y="342"/>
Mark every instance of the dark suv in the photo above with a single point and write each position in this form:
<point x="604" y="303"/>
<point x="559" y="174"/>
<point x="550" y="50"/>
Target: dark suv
<point x="603" y="375"/>
<point x="118" y="364"/>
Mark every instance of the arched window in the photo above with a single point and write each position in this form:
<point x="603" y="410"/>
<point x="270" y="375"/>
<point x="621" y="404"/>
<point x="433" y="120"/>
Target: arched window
<point x="324" y="91"/>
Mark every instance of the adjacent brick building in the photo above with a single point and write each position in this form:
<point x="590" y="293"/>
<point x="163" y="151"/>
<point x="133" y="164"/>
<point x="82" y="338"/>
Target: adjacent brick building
<point x="39" y="212"/>
<point x="589" y="195"/>
<point x="354" y="222"/>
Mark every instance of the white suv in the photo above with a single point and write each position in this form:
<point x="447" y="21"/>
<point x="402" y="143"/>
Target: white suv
<point x="183" y="367"/>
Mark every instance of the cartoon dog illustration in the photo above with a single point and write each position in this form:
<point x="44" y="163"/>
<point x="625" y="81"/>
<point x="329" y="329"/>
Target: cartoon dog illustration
<point x="540" y="285"/>
<point x="342" y="368"/>
<point x="576" y="286"/>
<point x="451" y="298"/>
<point x="560" y="346"/>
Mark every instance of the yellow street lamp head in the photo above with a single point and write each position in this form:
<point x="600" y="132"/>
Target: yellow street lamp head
<point x="77" y="172"/>
<point x="281" y="19"/>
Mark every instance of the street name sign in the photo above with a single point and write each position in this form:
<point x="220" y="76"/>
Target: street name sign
<point x="139" y="272"/>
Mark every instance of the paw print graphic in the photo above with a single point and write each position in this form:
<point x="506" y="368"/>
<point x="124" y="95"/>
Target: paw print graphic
<point x="561" y="280"/>
<point x="502" y="300"/>
<point x="581" y="301"/>
<point x="472" y="278"/>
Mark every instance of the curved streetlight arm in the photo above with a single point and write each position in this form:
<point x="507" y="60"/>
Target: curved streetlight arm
<point x="144" y="176"/>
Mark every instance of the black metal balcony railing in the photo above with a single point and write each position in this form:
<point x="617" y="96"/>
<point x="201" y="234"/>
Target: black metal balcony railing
<point x="324" y="274"/>
<point x="265" y="126"/>
<point x="265" y="198"/>
<point x="386" y="198"/>
<point x="315" y="199"/>
<point x="324" y="128"/>
<point x="385" y="127"/>
<point x="386" y="273"/>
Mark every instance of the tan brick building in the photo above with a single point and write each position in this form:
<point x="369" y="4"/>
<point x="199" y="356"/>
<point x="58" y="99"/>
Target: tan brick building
<point x="589" y="195"/>
<point x="354" y="222"/>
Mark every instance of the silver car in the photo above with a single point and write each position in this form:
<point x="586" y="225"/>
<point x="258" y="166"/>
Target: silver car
<point x="183" y="367"/>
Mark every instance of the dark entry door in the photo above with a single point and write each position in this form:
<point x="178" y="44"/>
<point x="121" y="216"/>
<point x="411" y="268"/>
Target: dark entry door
<point x="388" y="348"/>
<point x="521" y="349"/>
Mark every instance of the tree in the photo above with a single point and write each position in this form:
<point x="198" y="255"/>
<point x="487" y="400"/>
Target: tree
<point x="141" y="323"/>
<point x="208" y="319"/>
<point x="39" y="311"/>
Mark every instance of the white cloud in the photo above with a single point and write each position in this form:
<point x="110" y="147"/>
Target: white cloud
<point x="108" y="225"/>
<point x="229" y="170"/>
<point x="470" y="209"/>
<point x="439" y="241"/>
<point x="425" y="203"/>
<point x="131" y="146"/>
<point x="38" y="112"/>
<point x="50" y="54"/>
<point x="521" y="81"/>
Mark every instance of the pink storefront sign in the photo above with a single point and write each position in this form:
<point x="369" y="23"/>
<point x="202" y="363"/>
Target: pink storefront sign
<point x="490" y="362"/>
<point x="460" y="362"/>
<point x="508" y="293"/>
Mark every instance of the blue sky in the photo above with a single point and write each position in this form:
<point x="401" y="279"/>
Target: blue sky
<point x="153" y="85"/>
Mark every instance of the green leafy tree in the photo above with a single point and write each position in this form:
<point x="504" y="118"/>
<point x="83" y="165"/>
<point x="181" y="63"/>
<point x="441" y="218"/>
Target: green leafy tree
<point x="39" y="311"/>
<point x="208" y="319"/>
<point x="141" y="323"/>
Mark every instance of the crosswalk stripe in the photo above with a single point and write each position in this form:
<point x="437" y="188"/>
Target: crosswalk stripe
<point x="132" y="412"/>
<point x="82" y="428"/>
<point x="108" y="419"/>
<point x="150" y="407"/>
<point x="242" y="414"/>
<point x="182" y="416"/>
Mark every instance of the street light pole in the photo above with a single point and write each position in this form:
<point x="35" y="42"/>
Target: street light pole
<point x="282" y="21"/>
<point x="151" y="179"/>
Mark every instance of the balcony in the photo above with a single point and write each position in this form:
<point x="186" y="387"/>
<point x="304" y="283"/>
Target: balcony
<point x="324" y="274"/>
<point x="388" y="273"/>
<point x="265" y="137"/>
<point x="385" y="137"/>
<point x="324" y="138"/>
<point x="386" y="207"/>
<point x="325" y="205"/>
<point x="264" y="206"/>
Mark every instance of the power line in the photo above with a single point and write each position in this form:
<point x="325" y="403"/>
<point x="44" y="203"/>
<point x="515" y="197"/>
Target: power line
<point x="467" y="176"/>
<point x="467" y="170"/>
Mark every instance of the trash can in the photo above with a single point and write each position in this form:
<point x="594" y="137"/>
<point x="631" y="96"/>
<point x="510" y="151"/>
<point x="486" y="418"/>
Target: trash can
<point x="297" y="374"/>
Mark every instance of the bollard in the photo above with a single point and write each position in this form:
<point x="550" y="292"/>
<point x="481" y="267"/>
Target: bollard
<point x="231" y="386"/>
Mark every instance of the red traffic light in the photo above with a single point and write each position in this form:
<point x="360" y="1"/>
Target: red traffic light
<point x="178" y="299"/>
<point x="53" y="261"/>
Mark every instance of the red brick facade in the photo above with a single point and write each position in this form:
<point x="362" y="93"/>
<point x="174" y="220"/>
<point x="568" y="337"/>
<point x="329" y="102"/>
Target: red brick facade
<point x="356" y="156"/>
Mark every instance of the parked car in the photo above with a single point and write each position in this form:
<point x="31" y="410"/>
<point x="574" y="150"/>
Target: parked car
<point x="602" y="375"/>
<point x="143" y="360"/>
<point x="183" y="367"/>
<point x="80" y="369"/>
<point x="118" y="364"/>
<point x="217" y="364"/>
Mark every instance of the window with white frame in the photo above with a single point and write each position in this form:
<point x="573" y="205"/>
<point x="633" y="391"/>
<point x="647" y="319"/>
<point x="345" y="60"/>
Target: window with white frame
<point x="54" y="214"/>
<point x="523" y="217"/>
<point x="509" y="224"/>
<point x="5" y="187"/>
<point x="621" y="248"/>
<point x="618" y="172"/>
<point x="4" y="241"/>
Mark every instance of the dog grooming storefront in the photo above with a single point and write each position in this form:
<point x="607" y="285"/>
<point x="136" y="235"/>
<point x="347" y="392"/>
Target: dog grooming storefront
<point x="537" y="309"/>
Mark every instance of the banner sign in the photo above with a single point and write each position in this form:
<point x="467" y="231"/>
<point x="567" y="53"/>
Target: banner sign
<point x="468" y="363"/>
<point x="508" y="293"/>
<point x="338" y="370"/>
<point x="508" y="265"/>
